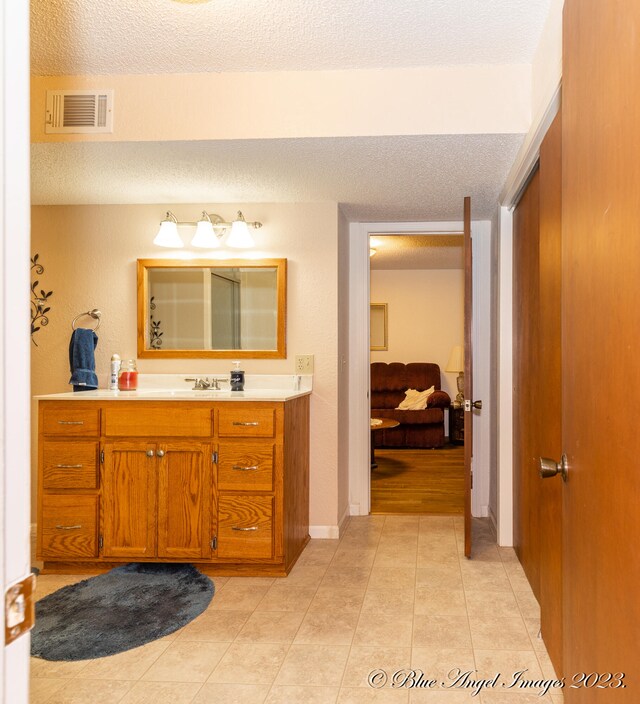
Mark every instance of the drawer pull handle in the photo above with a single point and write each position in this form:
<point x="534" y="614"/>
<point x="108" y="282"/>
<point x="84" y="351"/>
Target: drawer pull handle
<point x="70" y="422"/>
<point x="239" y="528"/>
<point x="245" y="423"/>
<point x="240" y="468"/>
<point x="69" y="466"/>
<point x="69" y="527"/>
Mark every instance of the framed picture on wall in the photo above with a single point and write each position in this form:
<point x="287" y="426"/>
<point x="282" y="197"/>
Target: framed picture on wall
<point x="378" y="327"/>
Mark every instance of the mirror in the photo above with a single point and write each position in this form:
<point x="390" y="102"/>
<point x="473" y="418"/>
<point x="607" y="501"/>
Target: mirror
<point x="206" y="308"/>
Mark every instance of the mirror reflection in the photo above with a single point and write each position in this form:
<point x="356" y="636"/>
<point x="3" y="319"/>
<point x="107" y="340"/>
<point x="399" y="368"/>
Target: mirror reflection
<point x="227" y="307"/>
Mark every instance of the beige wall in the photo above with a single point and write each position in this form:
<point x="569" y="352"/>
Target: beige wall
<point x="89" y="254"/>
<point x="546" y="70"/>
<point x="261" y="105"/>
<point x="425" y="316"/>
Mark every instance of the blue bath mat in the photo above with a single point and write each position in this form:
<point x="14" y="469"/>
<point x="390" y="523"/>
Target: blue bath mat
<point x="119" y="610"/>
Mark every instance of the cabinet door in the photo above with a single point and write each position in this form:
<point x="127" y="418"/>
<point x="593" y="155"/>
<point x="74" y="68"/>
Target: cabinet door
<point x="129" y="499"/>
<point x="184" y="500"/>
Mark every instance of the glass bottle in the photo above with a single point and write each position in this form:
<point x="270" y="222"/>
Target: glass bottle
<point x="128" y="376"/>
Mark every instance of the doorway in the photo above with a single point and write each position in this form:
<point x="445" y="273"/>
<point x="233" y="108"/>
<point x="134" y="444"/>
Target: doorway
<point x="417" y="284"/>
<point x="484" y="332"/>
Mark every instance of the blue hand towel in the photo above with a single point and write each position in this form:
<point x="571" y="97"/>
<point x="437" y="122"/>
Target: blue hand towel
<point x="82" y="362"/>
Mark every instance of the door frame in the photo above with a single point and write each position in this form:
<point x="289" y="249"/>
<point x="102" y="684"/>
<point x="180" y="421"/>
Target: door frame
<point x="15" y="343"/>
<point x="359" y="384"/>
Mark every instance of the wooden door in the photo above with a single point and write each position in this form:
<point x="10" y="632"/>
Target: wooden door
<point x="601" y="342"/>
<point x="549" y="390"/>
<point x="526" y="381"/>
<point x="537" y="385"/>
<point x="468" y="376"/>
<point x="129" y="499"/>
<point x="184" y="500"/>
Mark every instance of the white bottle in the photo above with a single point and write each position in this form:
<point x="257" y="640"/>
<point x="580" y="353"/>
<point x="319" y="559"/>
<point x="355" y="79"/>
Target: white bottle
<point x="113" y="375"/>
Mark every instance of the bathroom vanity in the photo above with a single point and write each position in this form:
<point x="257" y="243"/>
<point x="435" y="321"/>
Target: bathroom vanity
<point x="220" y="480"/>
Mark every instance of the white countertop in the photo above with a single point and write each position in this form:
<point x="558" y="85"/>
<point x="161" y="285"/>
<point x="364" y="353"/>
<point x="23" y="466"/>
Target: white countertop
<point x="173" y="387"/>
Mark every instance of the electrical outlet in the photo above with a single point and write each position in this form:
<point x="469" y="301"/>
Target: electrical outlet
<point x="304" y="364"/>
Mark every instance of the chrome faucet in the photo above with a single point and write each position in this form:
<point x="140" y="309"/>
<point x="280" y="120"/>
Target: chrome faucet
<point x="200" y="384"/>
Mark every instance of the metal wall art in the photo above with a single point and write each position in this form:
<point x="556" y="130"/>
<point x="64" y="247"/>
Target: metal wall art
<point x="39" y="300"/>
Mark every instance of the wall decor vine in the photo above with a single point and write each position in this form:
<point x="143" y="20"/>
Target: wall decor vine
<point x="155" y="341"/>
<point x="39" y="301"/>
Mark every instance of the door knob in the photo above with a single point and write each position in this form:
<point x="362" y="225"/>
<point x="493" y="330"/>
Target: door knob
<point x="160" y="453"/>
<point x="549" y="468"/>
<point x="150" y="453"/>
<point x="469" y="405"/>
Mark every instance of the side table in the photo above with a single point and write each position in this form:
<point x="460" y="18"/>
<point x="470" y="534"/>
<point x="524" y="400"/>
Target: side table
<point x="456" y="425"/>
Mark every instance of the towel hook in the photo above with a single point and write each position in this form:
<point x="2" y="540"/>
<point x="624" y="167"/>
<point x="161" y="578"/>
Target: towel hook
<point x="94" y="313"/>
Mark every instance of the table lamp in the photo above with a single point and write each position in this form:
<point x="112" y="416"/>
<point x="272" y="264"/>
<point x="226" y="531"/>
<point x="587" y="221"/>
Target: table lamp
<point x="456" y="365"/>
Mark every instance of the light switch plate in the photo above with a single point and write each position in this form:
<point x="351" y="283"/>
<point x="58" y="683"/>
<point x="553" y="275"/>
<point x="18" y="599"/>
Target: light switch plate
<point x="304" y="364"/>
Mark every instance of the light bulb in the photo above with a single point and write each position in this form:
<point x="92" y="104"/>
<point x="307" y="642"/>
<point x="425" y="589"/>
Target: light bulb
<point x="240" y="237"/>
<point x="205" y="236"/>
<point x="168" y="235"/>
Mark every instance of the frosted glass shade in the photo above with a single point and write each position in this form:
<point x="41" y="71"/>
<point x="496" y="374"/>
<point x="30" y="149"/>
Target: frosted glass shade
<point x="456" y="360"/>
<point x="168" y="235"/>
<point x="205" y="236"/>
<point x="240" y="237"/>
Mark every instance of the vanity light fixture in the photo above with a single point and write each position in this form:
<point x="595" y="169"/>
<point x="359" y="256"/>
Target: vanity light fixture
<point x="210" y="229"/>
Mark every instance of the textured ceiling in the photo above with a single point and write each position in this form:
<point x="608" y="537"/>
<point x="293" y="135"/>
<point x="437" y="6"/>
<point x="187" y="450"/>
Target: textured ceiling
<point x="417" y="252"/>
<point x="415" y="178"/>
<point x="161" y="36"/>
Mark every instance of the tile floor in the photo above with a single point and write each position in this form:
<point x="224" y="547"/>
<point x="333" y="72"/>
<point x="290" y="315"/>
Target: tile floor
<point x="394" y="594"/>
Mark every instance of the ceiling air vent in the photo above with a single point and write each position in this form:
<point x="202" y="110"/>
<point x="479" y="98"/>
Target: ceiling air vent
<point x="79" y="111"/>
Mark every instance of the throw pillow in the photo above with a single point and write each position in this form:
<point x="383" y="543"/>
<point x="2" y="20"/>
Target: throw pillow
<point x="415" y="400"/>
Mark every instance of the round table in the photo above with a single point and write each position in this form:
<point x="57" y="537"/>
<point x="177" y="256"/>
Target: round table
<point x="380" y="424"/>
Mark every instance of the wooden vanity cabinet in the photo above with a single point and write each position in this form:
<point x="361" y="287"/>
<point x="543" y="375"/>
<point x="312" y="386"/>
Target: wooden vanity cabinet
<point x="222" y="485"/>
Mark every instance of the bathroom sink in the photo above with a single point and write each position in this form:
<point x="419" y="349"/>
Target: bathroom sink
<point x="185" y="393"/>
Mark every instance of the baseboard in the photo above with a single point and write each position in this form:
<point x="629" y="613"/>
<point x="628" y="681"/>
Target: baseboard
<point x="324" y="532"/>
<point x="354" y="509"/>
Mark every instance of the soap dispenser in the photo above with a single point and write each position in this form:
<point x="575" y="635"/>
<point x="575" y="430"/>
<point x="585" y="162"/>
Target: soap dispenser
<point x="237" y="378"/>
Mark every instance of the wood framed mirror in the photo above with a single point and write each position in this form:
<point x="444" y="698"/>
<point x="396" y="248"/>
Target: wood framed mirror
<point x="211" y="308"/>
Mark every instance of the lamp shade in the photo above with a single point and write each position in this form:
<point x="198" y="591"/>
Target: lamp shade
<point x="205" y="236"/>
<point x="456" y="360"/>
<point x="168" y="235"/>
<point x="240" y="237"/>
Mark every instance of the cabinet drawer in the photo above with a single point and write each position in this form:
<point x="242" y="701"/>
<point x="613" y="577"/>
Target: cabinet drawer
<point x="185" y="420"/>
<point x="245" y="527"/>
<point x="69" y="526"/>
<point x="70" y="465"/>
<point x="71" y="422"/>
<point x="246" y="422"/>
<point x="246" y="466"/>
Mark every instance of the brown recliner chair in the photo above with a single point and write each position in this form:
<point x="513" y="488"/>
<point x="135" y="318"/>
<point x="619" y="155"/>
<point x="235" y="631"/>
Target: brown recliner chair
<point x="417" y="429"/>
